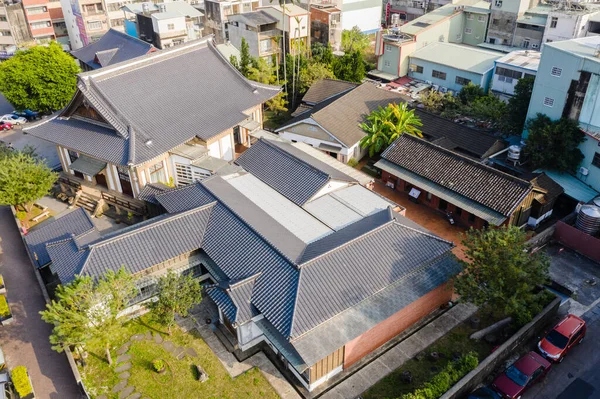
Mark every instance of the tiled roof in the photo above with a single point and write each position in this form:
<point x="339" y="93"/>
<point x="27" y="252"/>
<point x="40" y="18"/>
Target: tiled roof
<point x="552" y="188"/>
<point x="76" y="222"/>
<point x="169" y="107"/>
<point x="485" y="185"/>
<point x="289" y="171"/>
<point x="151" y="190"/>
<point x="324" y="89"/>
<point x="234" y="298"/>
<point x="113" y="47"/>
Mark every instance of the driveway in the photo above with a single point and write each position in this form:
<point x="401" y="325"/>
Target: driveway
<point x="426" y="217"/>
<point x="25" y="342"/>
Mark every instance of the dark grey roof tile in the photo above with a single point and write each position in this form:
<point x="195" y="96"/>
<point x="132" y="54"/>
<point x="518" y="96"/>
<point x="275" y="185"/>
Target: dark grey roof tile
<point x="324" y="89"/>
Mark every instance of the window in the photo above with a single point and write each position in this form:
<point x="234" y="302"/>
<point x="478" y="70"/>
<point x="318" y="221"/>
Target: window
<point x="556" y="71"/>
<point x="157" y="173"/>
<point x="5" y="33"/>
<point x="195" y="271"/>
<point x="481" y="18"/>
<point x="468" y="31"/>
<point x="387" y="63"/>
<point x="94" y="25"/>
<point x="36" y="10"/>
<point x="549" y="40"/>
<point x="495" y="22"/>
<point x="73" y="156"/>
<point x="438" y="75"/>
<point x="508" y="73"/>
<point x="171" y="26"/>
<point x="266" y="45"/>
<point x="184" y="174"/>
<point x="548" y="102"/>
<point x="469" y="16"/>
<point x="458" y="211"/>
<point x="462" y="81"/>
<point x="429" y="197"/>
<point x="419" y="69"/>
<point x="471" y="218"/>
<point x="41" y="25"/>
<point x="3" y="18"/>
<point x="576" y="336"/>
<point x="596" y="160"/>
<point x="528" y="75"/>
<point x="387" y="47"/>
<point x="553" y="22"/>
<point x="117" y="22"/>
<point x="492" y="40"/>
<point x="525" y="43"/>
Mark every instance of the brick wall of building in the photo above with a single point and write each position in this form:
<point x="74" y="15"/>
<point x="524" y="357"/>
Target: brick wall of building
<point x="394" y="325"/>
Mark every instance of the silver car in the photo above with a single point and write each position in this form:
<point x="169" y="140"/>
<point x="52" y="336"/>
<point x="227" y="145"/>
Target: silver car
<point x="14" y="119"/>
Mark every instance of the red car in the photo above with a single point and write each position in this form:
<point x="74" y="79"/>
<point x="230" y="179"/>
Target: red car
<point x="565" y="335"/>
<point x="4" y="126"/>
<point x="525" y="372"/>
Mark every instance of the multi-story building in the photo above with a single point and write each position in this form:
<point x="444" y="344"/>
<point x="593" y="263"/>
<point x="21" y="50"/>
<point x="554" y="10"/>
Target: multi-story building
<point x="567" y="84"/>
<point x="61" y="34"/>
<point x="464" y="24"/>
<point x="504" y="16"/>
<point x="259" y="30"/>
<point x="398" y="12"/>
<point x="366" y="14"/>
<point x="326" y="24"/>
<point x="86" y="21"/>
<point x="163" y="24"/>
<point x="512" y="67"/>
<point x="217" y="12"/>
<point x="293" y="21"/>
<point x="569" y="21"/>
<point x="37" y="13"/>
<point x="13" y="28"/>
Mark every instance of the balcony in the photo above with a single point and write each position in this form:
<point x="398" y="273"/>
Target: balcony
<point x="172" y="34"/>
<point x="269" y="34"/>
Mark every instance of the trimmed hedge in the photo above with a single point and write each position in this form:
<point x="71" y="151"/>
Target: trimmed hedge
<point x="446" y="378"/>
<point x="21" y="381"/>
<point x="4" y="309"/>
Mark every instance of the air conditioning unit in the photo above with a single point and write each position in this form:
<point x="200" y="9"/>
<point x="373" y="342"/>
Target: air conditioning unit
<point x="584" y="171"/>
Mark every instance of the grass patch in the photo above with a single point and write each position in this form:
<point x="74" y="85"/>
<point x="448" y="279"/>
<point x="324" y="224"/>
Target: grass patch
<point x="180" y="379"/>
<point x="456" y="341"/>
<point x="27" y="217"/>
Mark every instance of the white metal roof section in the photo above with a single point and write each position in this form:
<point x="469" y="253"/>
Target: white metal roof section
<point x="362" y="200"/>
<point x="295" y="219"/>
<point x="332" y="212"/>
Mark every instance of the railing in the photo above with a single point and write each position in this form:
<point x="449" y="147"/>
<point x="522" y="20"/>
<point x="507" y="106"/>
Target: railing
<point x="113" y="199"/>
<point x="69" y="182"/>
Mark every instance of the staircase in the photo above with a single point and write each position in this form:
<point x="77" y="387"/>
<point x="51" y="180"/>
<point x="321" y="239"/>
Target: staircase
<point x="88" y="202"/>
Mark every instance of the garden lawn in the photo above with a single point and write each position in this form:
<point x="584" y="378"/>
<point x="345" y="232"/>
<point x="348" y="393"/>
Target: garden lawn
<point x="180" y="379"/>
<point x="425" y="369"/>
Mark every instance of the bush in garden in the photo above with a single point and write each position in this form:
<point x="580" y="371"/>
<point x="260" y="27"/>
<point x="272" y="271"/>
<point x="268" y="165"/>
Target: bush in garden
<point x="158" y="364"/>
<point x="4" y="309"/>
<point x="21" y="381"/>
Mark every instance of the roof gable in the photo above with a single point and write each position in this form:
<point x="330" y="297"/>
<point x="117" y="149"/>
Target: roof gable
<point x="324" y="89"/>
<point x="480" y="183"/>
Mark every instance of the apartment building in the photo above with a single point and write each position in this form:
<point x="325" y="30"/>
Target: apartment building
<point x="217" y="12"/>
<point x="293" y="21"/>
<point x="512" y="67"/>
<point x="326" y="24"/>
<point x="259" y="30"/>
<point x="86" y="21"/>
<point x="13" y="28"/>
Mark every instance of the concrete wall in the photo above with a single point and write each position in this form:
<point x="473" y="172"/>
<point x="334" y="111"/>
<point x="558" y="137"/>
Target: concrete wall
<point x="577" y="240"/>
<point x="502" y="26"/>
<point x="505" y="87"/>
<point x="531" y="34"/>
<point x="395" y="324"/>
<point x="366" y="14"/>
<point x="477" y="23"/>
<point x="589" y="148"/>
<point x="568" y="26"/>
<point x="493" y="361"/>
<point x="451" y="75"/>
<point x="236" y="33"/>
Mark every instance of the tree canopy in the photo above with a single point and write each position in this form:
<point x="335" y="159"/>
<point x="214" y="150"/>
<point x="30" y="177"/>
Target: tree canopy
<point x="384" y="125"/>
<point x="23" y="178"/>
<point x="554" y="144"/>
<point x="177" y="294"/>
<point x="349" y="67"/>
<point x="501" y="274"/>
<point x="354" y="40"/>
<point x="518" y="105"/>
<point x="42" y="78"/>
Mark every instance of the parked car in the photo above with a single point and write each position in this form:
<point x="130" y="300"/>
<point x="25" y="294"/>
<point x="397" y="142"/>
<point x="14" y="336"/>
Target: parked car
<point x="27" y="114"/>
<point x="525" y="372"/>
<point x="564" y="336"/>
<point x="484" y="393"/>
<point x="13" y="119"/>
<point x="4" y="126"/>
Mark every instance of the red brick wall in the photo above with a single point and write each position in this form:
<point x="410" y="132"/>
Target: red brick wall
<point x="395" y="324"/>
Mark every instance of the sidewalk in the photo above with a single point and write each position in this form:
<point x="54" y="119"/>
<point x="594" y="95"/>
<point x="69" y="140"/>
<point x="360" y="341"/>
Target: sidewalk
<point x="394" y="358"/>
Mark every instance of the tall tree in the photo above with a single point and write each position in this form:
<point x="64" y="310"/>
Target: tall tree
<point x="23" y="178"/>
<point x="470" y="92"/>
<point x="384" y="125"/>
<point x="350" y="67"/>
<point x="354" y="40"/>
<point x="245" y="58"/>
<point x="322" y="53"/>
<point x="313" y="72"/>
<point x="554" y="144"/>
<point x="261" y="71"/>
<point x="177" y="294"/>
<point x="501" y="274"/>
<point x="518" y="105"/>
<point x="42" y="78"/>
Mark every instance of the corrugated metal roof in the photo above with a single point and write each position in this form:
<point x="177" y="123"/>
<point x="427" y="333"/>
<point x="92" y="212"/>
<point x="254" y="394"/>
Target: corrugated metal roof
<point x="466" y="58"/>
<point x="573" y="187"/>
<point x="489" y="187"/>
<point x="87" y="165"/>
<point x="75" y="222"/>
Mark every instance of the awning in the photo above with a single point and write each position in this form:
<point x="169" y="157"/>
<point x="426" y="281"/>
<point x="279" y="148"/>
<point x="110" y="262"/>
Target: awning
<point x="88" y="166"/>
<point x="283" y="346"/>
<point x="327" y="147"/>
<point x="448" y="195"/>
<point x="383" y="75"/>
<point x="250" y="124"/>
<point x="573" y="187"/>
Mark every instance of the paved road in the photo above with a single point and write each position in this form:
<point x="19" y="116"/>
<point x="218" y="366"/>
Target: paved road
<point x="25" y="342"/>
<point x="578" y="376"/>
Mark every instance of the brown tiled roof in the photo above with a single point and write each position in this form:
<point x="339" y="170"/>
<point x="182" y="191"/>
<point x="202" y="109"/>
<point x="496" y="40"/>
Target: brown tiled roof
<point x="552" y="188"/>
<point x="480" y="183"/>
<point x="323" y="89"/>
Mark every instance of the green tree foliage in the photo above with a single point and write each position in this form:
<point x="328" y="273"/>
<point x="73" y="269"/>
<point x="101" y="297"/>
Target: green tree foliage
<point x="469" y="93"/>
<point x="85" y="309"/>
<point x="436" y="102"/>
<point x="354" y="40"/>
<point x="349" y="67"/>
<point x="322" y="53"/>
<point x="384" y="125"/>
<point x="314" y="72"/>
<point x="41" y="78"/>
<point x="245" y="58"/>
<point x="177" y="294"/>
<point x="263" y="72"/>
<point x="554" y="144"/>
<point x="501" y="274"/>
<point x="518" y="105"/>
<point x="23" y="178"/>
<point x="489" y="108"/>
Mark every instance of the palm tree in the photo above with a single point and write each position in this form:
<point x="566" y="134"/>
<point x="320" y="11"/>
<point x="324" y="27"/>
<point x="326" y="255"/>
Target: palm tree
<point x="385" y="125"/>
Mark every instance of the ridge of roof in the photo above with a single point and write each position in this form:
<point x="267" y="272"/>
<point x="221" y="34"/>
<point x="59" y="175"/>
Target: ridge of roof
<point x="239" y="282"/>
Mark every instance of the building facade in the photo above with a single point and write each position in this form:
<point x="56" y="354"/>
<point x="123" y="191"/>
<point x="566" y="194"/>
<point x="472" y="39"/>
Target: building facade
<point x="14" y="29"/>
<point x="218" y="12"/>
<point x="325" y="25"/>
<point x="259" y="30"/>
<point x="294" y="23"/>
<point x="512" y="67"/>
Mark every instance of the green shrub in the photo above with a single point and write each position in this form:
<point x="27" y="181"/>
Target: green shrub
<point x="352" y="162"/>
<point x="22" y="215"/>
<point x="4" y="309"/>
<point x="158" y="364"/>
<point x="1" y="281"/>
<point x="21" y="381"/>
<point x="446" y="378"/>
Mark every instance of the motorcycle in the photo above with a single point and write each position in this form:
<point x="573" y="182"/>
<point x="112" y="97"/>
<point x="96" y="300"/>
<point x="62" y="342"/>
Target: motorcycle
<point x="450" y="218"/>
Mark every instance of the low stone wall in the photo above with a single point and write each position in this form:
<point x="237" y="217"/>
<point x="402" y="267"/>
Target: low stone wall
<point x="541" y="239"/>
<point x="469" y="382"/>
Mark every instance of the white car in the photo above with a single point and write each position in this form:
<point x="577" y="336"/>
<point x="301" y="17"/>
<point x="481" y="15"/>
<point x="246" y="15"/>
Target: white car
<point x="14" y="119"/>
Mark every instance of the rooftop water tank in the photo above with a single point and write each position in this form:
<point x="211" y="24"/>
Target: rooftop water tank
<point x="596" y="201"/>
<point x="588" y="219"/>
<point x="514" y="152"/>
